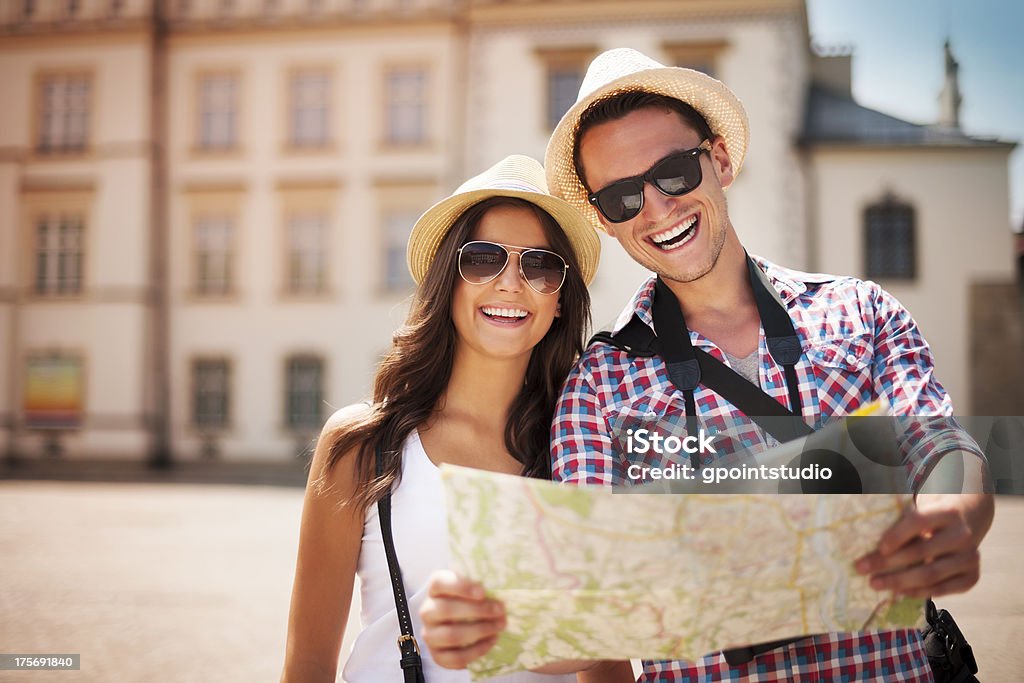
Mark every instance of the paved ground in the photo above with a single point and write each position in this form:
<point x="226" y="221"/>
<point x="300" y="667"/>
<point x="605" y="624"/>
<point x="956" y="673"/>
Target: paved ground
<point x="187" y="582"/>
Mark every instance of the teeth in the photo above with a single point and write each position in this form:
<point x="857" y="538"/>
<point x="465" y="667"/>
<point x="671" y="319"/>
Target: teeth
<point x="674" y="232"/>
<point x="504" y="312"/>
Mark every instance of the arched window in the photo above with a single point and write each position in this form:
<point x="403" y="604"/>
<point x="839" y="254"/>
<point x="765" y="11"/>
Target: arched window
<point x="890" y="245"/>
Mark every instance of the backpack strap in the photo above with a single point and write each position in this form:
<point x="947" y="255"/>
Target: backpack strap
<point x="412" y="664"/>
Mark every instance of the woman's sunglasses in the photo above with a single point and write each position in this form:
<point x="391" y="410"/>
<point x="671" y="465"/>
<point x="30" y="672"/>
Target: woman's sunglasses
<point x="480" y="262"/>
<point x="675" y="175"/>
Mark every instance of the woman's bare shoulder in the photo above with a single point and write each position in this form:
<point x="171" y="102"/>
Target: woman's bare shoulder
<point x="347" y="417"/>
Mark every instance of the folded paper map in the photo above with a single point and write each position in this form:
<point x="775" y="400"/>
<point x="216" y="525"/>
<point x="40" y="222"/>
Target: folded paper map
<point x="586" y="573"/>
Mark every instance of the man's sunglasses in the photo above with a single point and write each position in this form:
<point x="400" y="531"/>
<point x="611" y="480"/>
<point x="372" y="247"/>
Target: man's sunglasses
<point x="675" y="175"/>
<point x="480" y="262"/>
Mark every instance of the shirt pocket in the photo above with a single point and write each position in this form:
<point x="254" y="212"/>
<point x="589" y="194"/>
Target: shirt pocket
<point x="843" y="373"/>
<point x="635" y="422"/>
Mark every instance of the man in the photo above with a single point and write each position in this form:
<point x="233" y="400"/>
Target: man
<point x="648" y="153"/>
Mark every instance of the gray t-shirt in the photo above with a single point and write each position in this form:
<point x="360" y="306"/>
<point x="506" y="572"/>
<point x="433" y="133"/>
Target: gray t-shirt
<point x="748" y="367"/>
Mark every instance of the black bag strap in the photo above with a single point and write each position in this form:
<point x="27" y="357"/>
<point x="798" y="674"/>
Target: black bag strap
<point x="412" y="664"/>
<point x="689" y="367"/>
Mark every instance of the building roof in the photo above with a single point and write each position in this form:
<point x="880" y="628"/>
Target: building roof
<point x="833" y="117"/>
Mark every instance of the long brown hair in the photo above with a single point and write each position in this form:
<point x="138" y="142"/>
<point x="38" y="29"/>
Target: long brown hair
<point x="416" y="371"/>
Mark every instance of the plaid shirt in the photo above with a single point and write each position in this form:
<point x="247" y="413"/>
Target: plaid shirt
<point x="859" y="345"/>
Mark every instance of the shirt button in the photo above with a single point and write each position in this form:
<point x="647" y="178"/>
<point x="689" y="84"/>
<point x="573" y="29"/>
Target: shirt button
<point x="851" y="359"/>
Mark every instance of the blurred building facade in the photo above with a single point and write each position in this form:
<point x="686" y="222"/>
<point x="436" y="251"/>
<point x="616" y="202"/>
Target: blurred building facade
<point x="204" y="203"/>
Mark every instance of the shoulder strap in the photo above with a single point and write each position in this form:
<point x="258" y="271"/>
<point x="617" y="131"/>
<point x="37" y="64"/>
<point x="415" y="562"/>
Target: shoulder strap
<point x="635" y="338"/>
<point x="770" y="415"/>
<point x="688" y="366"/>
<point x="412" y="665"/>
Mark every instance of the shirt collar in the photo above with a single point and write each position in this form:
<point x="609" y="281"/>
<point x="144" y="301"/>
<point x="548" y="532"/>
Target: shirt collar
<point x="784" y="281"/>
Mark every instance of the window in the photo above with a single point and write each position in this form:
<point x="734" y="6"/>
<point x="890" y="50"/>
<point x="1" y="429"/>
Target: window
<point x="306" y="253"/>
<point x="64" y="114"/>
<point x="214" y="237"/>
<point x="406" y="109"/>
<point x="59" y="246"/>
<point x="564" y="69"/>
<point x="696" y="55"/>
<point x="397" y="226"/>
<point x="211" y="382"/>
<point x="218" y="112"/>
<point x="305" y="395"/>
<point x="310" y="93"/>
<point x="889" y="239"/>
<point x="563" y="87"/>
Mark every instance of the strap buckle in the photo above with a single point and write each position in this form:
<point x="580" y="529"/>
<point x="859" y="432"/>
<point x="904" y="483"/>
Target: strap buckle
<point x="406" y="638"/>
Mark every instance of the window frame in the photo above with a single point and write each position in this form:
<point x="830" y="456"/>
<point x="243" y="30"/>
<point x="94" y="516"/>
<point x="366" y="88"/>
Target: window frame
<point x="325" y="141"/>
<point x="233" y="142"/>
<point x="906" y="240"/>
<point x="195" y="404"/>
<point x="62" y="147"/>
<point x="398" y="197"/>
<point x="552" y="60"/>
<point x="316" y="419"/>
<point x="49" y="204"/>
<point x="696" y="53"/>
<point x="424" y="134"/>
<point x="298" y="282"/>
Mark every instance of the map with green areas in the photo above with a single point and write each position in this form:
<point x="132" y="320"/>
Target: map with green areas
<point x="586" y="573"/>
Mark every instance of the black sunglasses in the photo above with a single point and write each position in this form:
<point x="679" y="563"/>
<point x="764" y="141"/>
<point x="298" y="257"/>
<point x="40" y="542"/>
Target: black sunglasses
<point x="480" y="262"/>
<point x="675" y="175"/>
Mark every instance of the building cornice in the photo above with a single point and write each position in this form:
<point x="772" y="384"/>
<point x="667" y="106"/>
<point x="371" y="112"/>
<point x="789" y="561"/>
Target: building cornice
<point x="15" y="36"/>
<point x="250" y="32"/>
<point x="484" y="12"/>
<point x="58" y="183"/>
<point x="903" y="147"/>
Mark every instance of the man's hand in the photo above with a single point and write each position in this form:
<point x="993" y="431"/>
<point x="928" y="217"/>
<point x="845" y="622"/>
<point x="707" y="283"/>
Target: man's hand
<point x="460" y="623"/>
<point x="932" y="549"/>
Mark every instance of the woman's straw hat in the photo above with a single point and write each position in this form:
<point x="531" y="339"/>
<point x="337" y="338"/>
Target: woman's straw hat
<point x="514" y="176"/>
<point x="623" y="70"/>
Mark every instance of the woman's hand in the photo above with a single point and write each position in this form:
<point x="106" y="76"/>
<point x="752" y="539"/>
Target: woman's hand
<point x="460" y="623"/>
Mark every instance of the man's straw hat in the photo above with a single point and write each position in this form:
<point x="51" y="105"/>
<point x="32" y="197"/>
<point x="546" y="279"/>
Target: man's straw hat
<point x="514" y="176"/>
<point x="623" y="70"/>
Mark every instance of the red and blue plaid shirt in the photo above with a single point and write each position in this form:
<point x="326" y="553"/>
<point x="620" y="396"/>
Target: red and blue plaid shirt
<point x="859" y="345"/>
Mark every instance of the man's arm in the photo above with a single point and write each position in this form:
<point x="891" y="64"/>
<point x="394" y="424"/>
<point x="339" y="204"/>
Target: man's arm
<point x="581" y="444"/>
<point x="933" y="548"/>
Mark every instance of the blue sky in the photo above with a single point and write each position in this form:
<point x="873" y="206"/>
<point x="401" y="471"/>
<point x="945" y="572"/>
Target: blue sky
<point x="898" y="63"/>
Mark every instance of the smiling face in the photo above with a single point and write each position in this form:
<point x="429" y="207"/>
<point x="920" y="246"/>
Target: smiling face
<point x="504" y="317"/>
<point x="680" y="238"/>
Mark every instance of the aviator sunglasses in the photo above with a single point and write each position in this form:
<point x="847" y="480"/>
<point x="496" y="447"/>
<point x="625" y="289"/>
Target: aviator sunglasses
<point x="480" y="262"/>
<point x="675" y="175"/>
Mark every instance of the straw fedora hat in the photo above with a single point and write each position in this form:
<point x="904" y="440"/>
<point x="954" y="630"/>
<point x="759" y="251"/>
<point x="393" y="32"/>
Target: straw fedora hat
<point x="514" y="176"/>
<point x="623" y="70"/>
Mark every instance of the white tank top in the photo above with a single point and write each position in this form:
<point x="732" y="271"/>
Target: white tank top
<point x="420" y="529"/>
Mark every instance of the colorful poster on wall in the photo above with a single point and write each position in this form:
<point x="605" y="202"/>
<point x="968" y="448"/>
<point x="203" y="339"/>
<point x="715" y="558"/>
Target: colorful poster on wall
<point x="54" y="392"/>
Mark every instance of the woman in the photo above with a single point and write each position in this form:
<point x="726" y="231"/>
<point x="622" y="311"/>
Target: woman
<point x="472" y="378"/>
